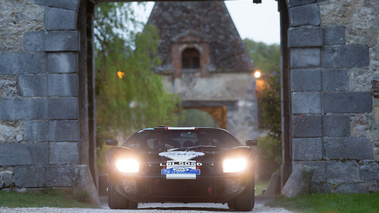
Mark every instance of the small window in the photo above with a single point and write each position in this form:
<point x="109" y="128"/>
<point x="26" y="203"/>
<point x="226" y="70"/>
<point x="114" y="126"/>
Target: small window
<point x="190" y="59"/>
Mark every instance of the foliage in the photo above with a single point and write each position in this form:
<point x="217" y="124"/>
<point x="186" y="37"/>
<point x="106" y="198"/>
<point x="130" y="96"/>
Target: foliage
<point x="270" y="148"/>
<point x="266" y="57"/>
<point x="267" y="60"/>
<point x="136" y="100"/>
<point x="270" y="157"/>
<point x="260" y="186"/>
<point x="270" y="100"/>
<point x="338" y="203"/>
<point x="45" y="198"/>
<point x="195" y="117"/>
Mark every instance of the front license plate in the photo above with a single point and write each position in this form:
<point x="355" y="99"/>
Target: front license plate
<point x="180" y="170"/>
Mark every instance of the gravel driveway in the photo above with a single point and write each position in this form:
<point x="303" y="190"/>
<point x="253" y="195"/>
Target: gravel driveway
<point x="153" y="207"/>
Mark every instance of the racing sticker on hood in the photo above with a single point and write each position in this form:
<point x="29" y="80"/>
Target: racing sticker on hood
<point x="181" y="166"/>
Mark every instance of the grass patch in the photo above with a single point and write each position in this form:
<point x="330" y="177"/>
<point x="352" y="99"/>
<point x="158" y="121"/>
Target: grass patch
<point x="44" y="198"/>
<point x="259" y="186"/>
<point x="329" y="203"/>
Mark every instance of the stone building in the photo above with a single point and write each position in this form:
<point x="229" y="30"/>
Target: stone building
<point x="329" y="70"/>
<point x="205" y="61"/>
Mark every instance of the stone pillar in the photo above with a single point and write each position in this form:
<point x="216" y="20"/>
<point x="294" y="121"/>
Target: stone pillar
<point x="39" y="96"/>
<point x="286" y="166"/>
<point x="331" y="111"/>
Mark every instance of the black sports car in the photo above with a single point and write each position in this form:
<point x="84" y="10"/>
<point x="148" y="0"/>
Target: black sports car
<point x="175" y="164"/>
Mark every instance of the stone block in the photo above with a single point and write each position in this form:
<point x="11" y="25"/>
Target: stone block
<point x="345" y="56"/>
<point x="376" y="153"/>
<point x="62" y="62"/>
<point x="335" y="80"/>
<point x="8" y="86"/>
<point x="319" y="169"/>
<point x="305" y="36"/>
<point x="358" y="148"/>
<point x="33" y="41"/>
<point x="30" y="176"/>
<point x="334" y="35"/>
<point x="299" y="181"/>
<point x="372" y="186"/>
<point x="60" y="176"/>
<point x="351" y="188"/>
<point x="32" y="85"/>
<point x="62" y="85"/>
<point x="369" y="170"/>
<point x="11" y="132"/>
<point x="305" y="15"/>
<point x="306" y="149"/>
<point x="305" y="57"/>
<point x="56" y="41"/>
<point x="39" y="153"/>
<point x="294" y="3"/>
<point x="36" y="131"/>
<point x="63" y="130"/>
<point x="306" y="80"/>
<point x="64" y="153"/>
<point x="26" y="109"/>
<point x="336" y="126"/>
<point x="23" y="154"/>
<point x="306" y="126"/>
<point x="306" y="102"/>
<point x="66" y="4"/>
<point x="60" y="19"/>
<point x="342" y="172"/>
<point x="84" y="183"/>
<point x="347" y="102"/>
<point x="63" y="108"/>
<point x="321" y="188"/>
<point x="23" y="63"/>
<point x="273" y="186"/>
<point x="7" y="178"/>
<point x="10" y="154"/>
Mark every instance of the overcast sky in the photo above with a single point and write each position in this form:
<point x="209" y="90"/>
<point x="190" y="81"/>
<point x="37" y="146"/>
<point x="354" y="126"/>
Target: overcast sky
<point x="259" y="22"/>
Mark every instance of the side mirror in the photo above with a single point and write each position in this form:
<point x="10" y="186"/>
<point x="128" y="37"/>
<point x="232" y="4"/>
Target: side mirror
<point x="251" y="142"/>
<point x="111" y="142"/>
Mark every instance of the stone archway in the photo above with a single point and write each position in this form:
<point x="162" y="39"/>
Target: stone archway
<point x="85" y="26"/>
<point x="329" y="117"/>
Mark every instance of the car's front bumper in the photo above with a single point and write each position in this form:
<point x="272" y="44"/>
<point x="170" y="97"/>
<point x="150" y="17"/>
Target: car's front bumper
<point x="217" y="189"/>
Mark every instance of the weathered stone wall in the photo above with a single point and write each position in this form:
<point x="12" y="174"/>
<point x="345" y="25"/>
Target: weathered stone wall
<point x="360" y="21"/>
<point x="242" y="118"/>
<point x="334" y="58"/>
<point x="39" y="130"/>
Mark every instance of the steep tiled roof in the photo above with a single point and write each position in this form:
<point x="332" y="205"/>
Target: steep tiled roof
<point x="209" y="22"/>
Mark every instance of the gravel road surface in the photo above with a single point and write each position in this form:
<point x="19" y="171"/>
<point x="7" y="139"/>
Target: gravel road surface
<point x="153" y="208"/>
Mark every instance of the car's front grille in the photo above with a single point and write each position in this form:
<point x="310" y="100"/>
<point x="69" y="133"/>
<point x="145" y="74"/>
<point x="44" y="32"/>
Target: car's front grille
<point x="164" y="187"/>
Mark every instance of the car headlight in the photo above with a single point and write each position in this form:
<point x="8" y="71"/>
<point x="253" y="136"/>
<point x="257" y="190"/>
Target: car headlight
<point x="127" y="165"/>
<point x="234" y="165"/>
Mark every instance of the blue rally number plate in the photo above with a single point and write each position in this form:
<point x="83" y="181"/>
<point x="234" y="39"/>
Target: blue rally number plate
<point x="180" y="170"/>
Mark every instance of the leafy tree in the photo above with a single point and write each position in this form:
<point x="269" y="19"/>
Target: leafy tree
<point x="129" y="95"/>
<point x="270" y="100"/>
<point x="266" y="57"/>
<point x="267" y="60"/>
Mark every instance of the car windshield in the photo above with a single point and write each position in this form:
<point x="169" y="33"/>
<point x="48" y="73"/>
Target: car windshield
<point x="150" y="140"/>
